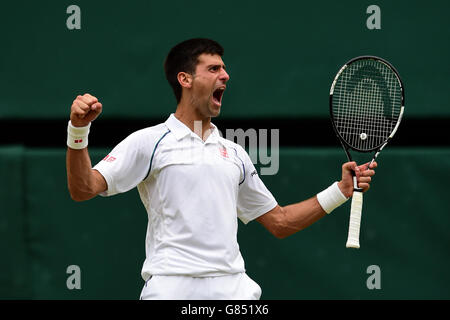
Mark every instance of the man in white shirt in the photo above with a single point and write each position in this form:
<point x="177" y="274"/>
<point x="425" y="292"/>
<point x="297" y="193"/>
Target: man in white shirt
<point x="194" y="184"/>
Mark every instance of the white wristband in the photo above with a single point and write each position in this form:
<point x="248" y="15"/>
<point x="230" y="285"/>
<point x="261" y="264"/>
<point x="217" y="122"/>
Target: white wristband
<point x="331" y="198"/>
<point x="77" y="137"/>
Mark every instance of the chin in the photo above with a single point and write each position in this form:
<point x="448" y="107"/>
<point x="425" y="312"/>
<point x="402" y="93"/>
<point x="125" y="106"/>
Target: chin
<point x="214" y="111"/>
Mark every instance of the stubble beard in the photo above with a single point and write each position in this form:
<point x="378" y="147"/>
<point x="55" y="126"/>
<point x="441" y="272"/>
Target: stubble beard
<point x="206" y="107"/>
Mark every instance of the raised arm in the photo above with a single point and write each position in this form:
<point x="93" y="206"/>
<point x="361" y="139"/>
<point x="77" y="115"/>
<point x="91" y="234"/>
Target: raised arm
<point x="83" y="182"/>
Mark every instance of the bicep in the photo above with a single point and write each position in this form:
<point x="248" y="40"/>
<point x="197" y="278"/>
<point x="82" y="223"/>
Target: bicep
<point x="99" y="182"/>
<point x="272" y="220"/>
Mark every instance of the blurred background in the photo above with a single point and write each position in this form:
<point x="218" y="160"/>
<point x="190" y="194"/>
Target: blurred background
<point x="282" y="57"/>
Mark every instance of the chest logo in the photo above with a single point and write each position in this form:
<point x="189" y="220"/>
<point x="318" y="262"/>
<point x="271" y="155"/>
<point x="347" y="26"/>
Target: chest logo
<point x="223" y="152"/>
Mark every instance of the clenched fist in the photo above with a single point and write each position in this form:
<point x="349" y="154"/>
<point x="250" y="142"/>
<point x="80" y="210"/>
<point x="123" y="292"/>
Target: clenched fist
<point x="85" y="108"/>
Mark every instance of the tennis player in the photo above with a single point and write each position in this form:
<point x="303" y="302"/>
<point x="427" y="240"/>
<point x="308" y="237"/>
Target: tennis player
<point x="194" y="184"/>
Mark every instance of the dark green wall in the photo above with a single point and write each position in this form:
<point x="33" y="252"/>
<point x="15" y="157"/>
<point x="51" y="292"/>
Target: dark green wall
<point x="281" y="56"/>
<point x="404" y="231"/>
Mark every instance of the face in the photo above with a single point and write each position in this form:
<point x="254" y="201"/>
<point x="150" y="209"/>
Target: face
<point x="208" y="85"/>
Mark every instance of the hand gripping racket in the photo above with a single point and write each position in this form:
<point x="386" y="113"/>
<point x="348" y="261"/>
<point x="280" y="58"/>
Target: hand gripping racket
<point x="366" y="107"/>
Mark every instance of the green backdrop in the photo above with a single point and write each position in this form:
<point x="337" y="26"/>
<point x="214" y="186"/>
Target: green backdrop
<point x="404" y="232"/>
<point x="282" y="57"/>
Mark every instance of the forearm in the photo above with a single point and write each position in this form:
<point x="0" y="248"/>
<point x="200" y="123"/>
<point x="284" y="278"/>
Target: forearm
<point x="285" y="221"/>
<point x="84" y="183"/>
<point x="300" y="215"/>
<point x="295" y="217"/>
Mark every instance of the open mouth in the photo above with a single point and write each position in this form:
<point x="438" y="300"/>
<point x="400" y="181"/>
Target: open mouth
<point x="217" y="95"/>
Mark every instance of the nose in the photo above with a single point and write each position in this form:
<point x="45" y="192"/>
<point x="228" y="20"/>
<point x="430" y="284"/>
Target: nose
<point x="224" y="76"/>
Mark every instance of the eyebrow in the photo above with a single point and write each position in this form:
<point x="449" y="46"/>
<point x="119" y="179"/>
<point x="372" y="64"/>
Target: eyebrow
<point x="216" y="65"/>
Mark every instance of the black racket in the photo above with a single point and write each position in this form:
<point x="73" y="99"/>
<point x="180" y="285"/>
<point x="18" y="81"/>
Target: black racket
<point x="366" y="106"/>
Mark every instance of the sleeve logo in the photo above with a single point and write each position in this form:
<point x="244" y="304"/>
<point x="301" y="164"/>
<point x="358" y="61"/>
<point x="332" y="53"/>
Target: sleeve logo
<point x="109" y="158"/>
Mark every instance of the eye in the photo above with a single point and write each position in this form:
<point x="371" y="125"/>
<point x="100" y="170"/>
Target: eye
<point x="215" y="68"/>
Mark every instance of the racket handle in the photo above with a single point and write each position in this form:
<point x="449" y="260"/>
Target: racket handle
<point x="355" y="220"/>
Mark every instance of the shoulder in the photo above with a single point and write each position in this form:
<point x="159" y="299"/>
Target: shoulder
<point x="149" y="135"/>
<point x="228" y="143"/>
<point x="150" y="132"/>
<point x="143" y="141"/>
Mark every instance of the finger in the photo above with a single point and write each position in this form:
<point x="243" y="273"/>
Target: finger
<point x="97" y="107"/>
<point x="350" y="166"/>
<point x="88" y="99"/>
<point x="367" y="165"/>
<point x="364" y="166"/>
<point x="77" y="113"/>
<point x="358" y="170"/>
<point x="79" y="109"/>
<point x="368" y="173"/>
<point x="364" y="180"/>
<point x="80" y="105"/>
<point x="364" y="186"/>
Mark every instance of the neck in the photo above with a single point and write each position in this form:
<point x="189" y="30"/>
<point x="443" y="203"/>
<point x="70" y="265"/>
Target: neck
<point x="195" y="121"/>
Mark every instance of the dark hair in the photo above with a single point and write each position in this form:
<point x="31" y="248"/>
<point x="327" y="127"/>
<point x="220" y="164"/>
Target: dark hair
<point x="184" y="58"/>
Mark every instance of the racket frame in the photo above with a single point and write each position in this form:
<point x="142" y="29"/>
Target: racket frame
<point x="353" y="240"/>
<point x="341" y="139"/>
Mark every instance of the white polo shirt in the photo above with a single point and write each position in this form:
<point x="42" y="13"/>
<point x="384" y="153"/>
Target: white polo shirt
<point x="193" y="191"/>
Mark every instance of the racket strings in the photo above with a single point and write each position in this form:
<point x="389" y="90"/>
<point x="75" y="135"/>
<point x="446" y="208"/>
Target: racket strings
<point x="366" y="103"/>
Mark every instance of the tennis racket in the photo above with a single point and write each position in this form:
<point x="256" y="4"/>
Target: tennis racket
<point x="366" y="106"/>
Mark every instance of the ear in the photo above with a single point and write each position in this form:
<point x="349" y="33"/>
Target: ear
<point x="185" y="79"/>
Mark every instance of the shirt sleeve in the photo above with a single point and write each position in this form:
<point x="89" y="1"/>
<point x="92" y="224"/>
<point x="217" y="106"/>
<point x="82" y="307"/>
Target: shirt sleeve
<point x="125" y="166"/>
<point x="254" y="199"/>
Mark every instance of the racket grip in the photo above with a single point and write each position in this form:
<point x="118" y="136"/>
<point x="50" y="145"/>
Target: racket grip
<point x="355" y="220"/>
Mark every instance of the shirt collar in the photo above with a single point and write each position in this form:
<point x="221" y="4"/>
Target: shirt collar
<point x="214" y="136"/>
<point x="180" y="130"/>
